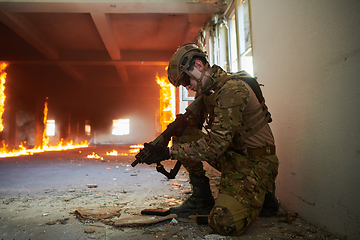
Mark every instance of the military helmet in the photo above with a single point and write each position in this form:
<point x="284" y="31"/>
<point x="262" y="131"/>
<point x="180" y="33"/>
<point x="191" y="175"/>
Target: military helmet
<point x="180" y="62"/>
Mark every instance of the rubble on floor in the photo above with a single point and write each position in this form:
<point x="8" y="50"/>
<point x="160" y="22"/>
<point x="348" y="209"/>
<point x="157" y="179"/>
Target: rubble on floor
<point x="69" y="206"/>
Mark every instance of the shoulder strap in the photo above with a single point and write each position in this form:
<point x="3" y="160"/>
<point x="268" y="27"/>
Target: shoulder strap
<point x="255" y="86"/>
<point x="252" y="82"/>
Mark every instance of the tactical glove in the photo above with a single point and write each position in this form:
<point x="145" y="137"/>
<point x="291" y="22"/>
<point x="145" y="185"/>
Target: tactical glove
<point x="181" y="122"/>
<point x="158" y="153"/>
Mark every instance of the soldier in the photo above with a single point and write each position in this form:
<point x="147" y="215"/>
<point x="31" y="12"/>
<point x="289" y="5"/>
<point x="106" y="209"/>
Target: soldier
<point x="238" y="142"/>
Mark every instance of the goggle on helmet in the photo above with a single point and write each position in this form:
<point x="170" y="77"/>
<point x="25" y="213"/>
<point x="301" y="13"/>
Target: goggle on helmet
<point x="179" y="64"/>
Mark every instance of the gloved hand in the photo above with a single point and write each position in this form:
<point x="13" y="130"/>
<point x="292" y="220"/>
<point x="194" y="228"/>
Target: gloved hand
<point x="158" y="153"/>
<point x="181" y="122"/>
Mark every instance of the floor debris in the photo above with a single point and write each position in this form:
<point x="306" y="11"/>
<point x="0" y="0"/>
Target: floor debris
<point x="171" y="232"/>
<point x="285" y="216"/>
<point x="61" y="221"/>
<point x="43" y="207"/>
<point x="142" y="220"/>
<point x="89" y="230"/>
<point x="97" y="213"/>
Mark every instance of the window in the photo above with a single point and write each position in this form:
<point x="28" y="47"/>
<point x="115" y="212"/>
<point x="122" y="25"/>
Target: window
<point x="218" y="44"/>
<point x="50" y="128"/>
<point x="210" y="47"/>
<point x="121" y="127"/>
<point x="87" y="127"/>
<point x="246" y="59"/>
<point x="233" y="49"/>
<point x="230" y="43"/>
<point x="223" y="40"/>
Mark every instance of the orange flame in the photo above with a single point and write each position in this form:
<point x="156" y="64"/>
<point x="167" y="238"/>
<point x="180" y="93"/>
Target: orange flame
<point x="2" y="93"/>
<point x="94" y="155"/>
<point x="134" y="149"/>
<point x="116" y="153"/>
<point x="4" y="152"/>
<point x="167" y="102"/>
<point x="60" y="146"/>
<point x="112" y="153"/>
<point x="45" y="139"/>
<point x="137" y="146"/>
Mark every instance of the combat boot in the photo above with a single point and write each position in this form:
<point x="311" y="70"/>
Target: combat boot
<point x="271" y="206"/>
<point x="200" y="202"/>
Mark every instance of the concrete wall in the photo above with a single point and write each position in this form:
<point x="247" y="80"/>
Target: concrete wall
<point x="307" y="54"/>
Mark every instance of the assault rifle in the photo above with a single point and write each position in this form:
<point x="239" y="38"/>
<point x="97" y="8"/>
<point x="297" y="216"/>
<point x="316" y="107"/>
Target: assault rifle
<point x="164" y="138"/>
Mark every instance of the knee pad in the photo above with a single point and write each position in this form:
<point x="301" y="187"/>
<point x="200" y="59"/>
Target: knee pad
<point x="222" y="221"/>
<point x="230" y="217"/>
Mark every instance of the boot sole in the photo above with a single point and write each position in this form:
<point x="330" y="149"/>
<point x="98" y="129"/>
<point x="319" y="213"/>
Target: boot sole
<point x="185" y="214"/>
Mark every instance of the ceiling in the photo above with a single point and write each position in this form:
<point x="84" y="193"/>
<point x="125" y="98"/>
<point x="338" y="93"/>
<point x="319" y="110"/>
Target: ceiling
<point x="94" y="57"/>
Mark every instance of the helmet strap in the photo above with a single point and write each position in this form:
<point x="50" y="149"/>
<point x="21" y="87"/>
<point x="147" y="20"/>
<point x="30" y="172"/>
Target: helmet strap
<point x="200" y="85"/>
<point x="198" y="80"/>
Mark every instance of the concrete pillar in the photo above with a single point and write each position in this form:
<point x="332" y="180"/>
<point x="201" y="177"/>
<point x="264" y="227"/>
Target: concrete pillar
<point x="13" y="142"/>
<point x="63" y="127"/>
<point x="80" y="130"/>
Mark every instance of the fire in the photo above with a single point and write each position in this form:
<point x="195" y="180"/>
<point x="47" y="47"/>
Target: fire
<point x="45" y="139"/>
<point x="59" y="146"/>
<point x="2" y="93"/>
<point x="116" y="153"/>
<point x="112" y="153"/>
<point x="134" y="151"/>
<point x="94" y="155"/>
<point x="167" y="102"/>
<point x="135" y="148"/>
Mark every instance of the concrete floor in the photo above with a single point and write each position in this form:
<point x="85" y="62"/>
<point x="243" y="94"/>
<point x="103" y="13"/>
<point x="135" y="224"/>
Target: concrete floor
<point x="40" y="193"/>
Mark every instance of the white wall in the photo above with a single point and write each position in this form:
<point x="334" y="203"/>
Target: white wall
<point x="307" y="54"/>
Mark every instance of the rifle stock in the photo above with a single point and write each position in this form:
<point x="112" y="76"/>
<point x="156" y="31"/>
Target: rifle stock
<point x="163" y="139"/>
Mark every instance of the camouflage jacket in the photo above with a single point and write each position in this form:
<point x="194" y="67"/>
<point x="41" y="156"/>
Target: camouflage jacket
<point x="224" y="107"/>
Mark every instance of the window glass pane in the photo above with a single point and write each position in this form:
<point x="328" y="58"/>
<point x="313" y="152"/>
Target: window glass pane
<point x="50" y="128"/>
<point x="223" y="62"/>
<point x="121" y="127"/>
<point x="87" y="127"/>
<point x="246" y="29"/>
<point x="247" y="63"/>
<point x="233" y="45"/>
<point x="246" y="59"/>
<point x="211" y="51"/>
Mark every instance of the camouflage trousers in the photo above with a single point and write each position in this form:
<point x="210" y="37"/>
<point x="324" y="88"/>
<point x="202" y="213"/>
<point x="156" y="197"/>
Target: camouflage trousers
<point x="244" y="182"/>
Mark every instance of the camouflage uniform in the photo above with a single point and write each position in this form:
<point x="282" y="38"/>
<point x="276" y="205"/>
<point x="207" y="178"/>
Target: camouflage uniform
<point x="244" y="179"/>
